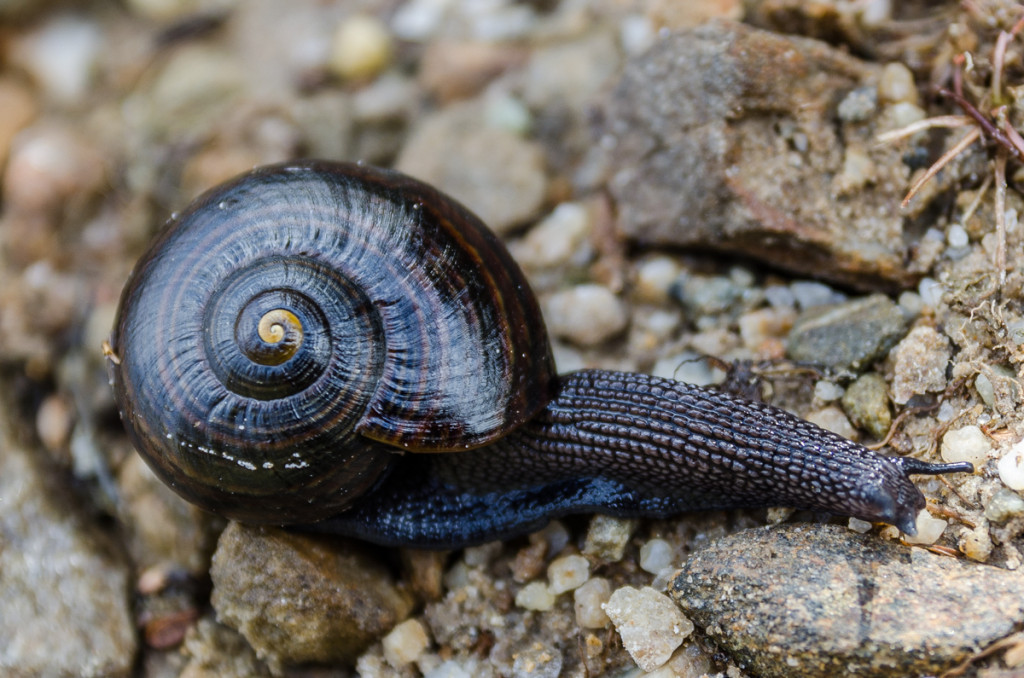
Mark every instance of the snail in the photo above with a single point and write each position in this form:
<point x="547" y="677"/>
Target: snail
<point x="346" y="349"/>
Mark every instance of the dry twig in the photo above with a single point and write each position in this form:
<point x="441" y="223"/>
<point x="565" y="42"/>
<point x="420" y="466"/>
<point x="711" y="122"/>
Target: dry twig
<point x="993" y="126"/>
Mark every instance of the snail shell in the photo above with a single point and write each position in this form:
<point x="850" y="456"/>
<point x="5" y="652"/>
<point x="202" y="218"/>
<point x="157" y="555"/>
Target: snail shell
<point x="289" y="321"/>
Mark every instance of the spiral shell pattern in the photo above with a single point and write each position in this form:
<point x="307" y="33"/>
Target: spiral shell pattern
<point x="296" y="326"/>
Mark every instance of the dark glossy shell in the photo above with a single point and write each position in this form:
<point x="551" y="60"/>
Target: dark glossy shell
<point x="419" y="331"/>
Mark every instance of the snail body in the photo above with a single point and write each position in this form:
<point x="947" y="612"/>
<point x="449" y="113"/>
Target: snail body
<point x="332" y="344"/>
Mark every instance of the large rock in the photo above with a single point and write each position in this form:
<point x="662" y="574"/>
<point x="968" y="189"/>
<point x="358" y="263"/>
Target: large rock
<point x="731" y="138"/>
<point x="821" y="600"/>
<point x="299" y="599"/>
<point x="65" y="593"/>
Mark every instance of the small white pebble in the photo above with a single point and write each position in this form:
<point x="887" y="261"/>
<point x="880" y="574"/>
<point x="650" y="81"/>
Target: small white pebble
<point x="361" y="48"/>
<point x="827" y="391"/>
<point x="555" y="534"/>
<point x="535" y="596"/>
<point x="457" y="576"/>
<point x="911" y="302"/>
<point x="976" y="544"/>
<point x="986" y="391"/>
<point x="929" y="529"/>
<point x="636" y="33"/>
<point x="567" y="573"/>
<point x="508" y="113"/>
<point x="482" y="555"/>
<point x="780" y="296"/>
<point x="931" y="292"/>
<point x="657" y="324"/>
<point x="650" y="625"/>
<point x="967" y="443"/>
<point x="946" y="412"/>
<point x="897" y="84"/>
<point x="586" y="315"/>
<point x="405" y="643"/>
<point x="588" y="600"/>
<point x="655" y="555"/>
<point x="858" y="170"/>
<point x="1011" y="467"/>
<point x="386" y="98"/>
<point x="419" y="19"/>
<point x="859" y="526"/>
<point x="54" y="420"/>
<point x="874" y="13"/>
<point x="49" y="165"/>
<point x="904" y="113"/>
<point x="555" y="240"/>
<point x="956" y="236"/>
<point x="62" y="57"/>
<point x="654" y="278"/>
<point x="741" y="277"/>
<point x="607" y="537"/>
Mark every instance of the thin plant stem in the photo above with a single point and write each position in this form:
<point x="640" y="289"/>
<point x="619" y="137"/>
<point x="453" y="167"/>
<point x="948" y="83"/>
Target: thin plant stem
<point x="1000" y="181"/>
<point x="973" y="207"/>
<point x="958" y="148"/>
<point x="945" y="121"/>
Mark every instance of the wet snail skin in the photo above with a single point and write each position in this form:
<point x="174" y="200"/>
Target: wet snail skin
<point x="329" y="343"/>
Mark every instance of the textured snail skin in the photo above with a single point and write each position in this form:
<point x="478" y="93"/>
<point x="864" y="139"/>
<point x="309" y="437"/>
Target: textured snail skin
<point x="296" y="334"/>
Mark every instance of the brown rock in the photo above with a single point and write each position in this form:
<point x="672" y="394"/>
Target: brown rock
<point x="300" y="599"/>
<point x="824" y="601"/>
<point x="727" y="137"/>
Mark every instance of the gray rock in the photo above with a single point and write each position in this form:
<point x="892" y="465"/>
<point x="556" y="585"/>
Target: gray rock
<point x="299" y="598"/>
<point x="64" y="595"/>
<point x="823" y="601"/>
<point x="726" y="137"/>
<point x="852" y="334"/>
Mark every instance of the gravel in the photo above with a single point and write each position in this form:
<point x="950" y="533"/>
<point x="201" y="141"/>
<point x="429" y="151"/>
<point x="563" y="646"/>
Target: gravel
<point x="571" y="128"/>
